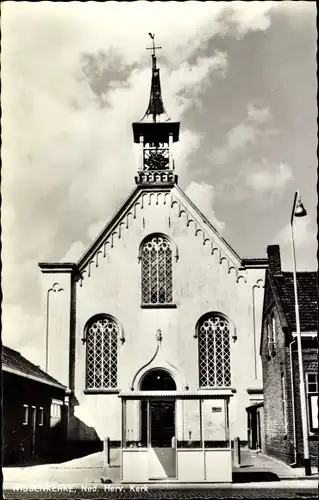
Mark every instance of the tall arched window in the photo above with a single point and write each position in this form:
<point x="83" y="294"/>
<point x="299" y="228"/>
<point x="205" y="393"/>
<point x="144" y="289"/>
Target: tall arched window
<point x="214" y="351"/>
<point x="101" y="353"/>
<point x="156" y="257"/>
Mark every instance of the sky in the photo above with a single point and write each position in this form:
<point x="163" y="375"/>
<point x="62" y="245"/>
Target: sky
<point x="239" y="76"/>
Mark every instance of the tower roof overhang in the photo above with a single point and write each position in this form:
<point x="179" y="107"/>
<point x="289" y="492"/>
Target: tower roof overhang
<point x="155" y="131"/>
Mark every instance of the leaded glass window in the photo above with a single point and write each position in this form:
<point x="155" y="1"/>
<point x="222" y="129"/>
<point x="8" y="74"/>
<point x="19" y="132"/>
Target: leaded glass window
<point x="214" y="352"/>
<point x="101" y="342"/>
<point x="156" y="256"/>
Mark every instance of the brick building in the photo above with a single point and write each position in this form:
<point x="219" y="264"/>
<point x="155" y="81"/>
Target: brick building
<point x="282" y="417"/>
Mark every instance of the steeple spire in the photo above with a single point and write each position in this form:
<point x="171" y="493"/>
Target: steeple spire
<point x="156" y="135"/>
<point x="155" y="106"/>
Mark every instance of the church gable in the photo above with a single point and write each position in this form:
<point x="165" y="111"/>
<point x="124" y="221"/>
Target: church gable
<point x="174" y="203"/>
<point x="157" y="187"/>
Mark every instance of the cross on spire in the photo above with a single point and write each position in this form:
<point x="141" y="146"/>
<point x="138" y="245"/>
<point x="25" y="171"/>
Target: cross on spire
<point x="153" y="48"/>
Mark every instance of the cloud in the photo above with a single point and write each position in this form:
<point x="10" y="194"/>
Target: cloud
<point x="261" y="180"/>
<point x="244" y="20"/>
<point x="75" y="75"/>
<point x="305" y="244"/>
<point x="74" y="253"/>
<point x="258" y="115"/>
<point x="270" y="179"/>
<point x="253" y="177"/>
<point x="24" y="331"/>
<point x="247" y="133"/>
<point x="191" y="79"/>
<point x="203" y="195"/>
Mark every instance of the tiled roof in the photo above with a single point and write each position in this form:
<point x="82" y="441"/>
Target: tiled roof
<point x="307" y="284"/>
<point x="12" y="360"/>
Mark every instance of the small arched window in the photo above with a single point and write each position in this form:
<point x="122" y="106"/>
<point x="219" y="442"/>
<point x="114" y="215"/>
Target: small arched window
<point x="101" y="353"/>
<point x="156" y="261"/>
<point x="214" y="351"/>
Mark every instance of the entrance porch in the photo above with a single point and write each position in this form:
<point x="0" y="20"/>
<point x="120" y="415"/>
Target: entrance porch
<point x="176" y="436"/>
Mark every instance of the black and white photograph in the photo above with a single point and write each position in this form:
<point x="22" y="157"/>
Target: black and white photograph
<point x="159" y="250"/>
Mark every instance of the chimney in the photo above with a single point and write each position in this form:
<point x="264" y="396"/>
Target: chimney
<point x="273" y="252"/>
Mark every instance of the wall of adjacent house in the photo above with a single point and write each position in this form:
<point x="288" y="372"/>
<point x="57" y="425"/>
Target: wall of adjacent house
<point x="310" y="363"/>
<point x="279" y="441"/>
<point x="201" y="284"/>
<point x="261" y="416"/>
<point x="16" y="431"/>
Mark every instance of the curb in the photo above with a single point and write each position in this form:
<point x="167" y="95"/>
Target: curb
<point x="146" y="487"/>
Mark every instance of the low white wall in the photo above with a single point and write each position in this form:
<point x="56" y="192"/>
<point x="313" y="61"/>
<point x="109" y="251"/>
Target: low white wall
<point x="190" y="466"/>
<point x="218" y="466"/>
<point x="134" y="465"/>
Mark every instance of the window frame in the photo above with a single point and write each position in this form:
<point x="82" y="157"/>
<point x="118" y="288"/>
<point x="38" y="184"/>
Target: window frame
<point x="312" y="398"/>
<point x="25" y="415"/>
<point x="40" y="416"/>
<point x="214" y="367"/>
<point x="56" y="410"/>
<point x="273" y="329"/>
<point x="109" y="388"/>
<point x="158" y="305"/>
<point x="271" y="334"/>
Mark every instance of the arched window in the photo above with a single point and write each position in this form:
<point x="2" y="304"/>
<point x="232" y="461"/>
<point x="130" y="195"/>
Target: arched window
<point x="214" y="351"/>
<point x="101" y="353"/>
<point x="156" y="257"/>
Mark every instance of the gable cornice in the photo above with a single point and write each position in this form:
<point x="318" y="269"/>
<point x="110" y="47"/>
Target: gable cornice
<point x="116" y="220"/>
<point x="210" y="226"/>
<point x="144" y="195"/>
<point x="94" y="247"/>
<point x="57" y="267"/>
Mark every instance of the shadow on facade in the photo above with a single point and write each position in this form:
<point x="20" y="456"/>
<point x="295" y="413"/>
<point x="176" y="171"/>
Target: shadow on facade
<point x="82" y="440"/>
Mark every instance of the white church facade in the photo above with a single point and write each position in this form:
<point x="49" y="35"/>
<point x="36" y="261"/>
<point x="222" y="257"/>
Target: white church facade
<point x="157" y="331"/>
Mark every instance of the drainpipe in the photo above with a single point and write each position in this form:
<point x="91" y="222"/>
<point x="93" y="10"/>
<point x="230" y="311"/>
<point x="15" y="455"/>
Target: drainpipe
<point x="258" y="285"/>
<point x="293" y="404"/>
<point x="254" y="332"/>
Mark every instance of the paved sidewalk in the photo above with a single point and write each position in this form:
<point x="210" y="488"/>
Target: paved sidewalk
<point x="257" y="462"/>
<point x="255" y="468"/>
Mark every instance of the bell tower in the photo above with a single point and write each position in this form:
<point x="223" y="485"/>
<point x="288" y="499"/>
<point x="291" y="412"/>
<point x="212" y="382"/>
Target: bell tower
<point x="155" y="134"/>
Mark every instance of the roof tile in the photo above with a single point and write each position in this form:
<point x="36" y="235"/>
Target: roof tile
<point x="13" y="359"/>
<point x="307" y="285"/>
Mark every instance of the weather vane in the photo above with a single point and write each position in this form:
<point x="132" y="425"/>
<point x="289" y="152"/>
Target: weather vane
<point x="153" y="48"/>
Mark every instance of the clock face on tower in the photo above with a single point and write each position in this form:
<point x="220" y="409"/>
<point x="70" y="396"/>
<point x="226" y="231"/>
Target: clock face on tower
<point x="157" y="160"/>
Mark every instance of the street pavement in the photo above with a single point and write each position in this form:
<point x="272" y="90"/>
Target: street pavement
<point x="258" y="476"/>
<point x="255" y="491"/>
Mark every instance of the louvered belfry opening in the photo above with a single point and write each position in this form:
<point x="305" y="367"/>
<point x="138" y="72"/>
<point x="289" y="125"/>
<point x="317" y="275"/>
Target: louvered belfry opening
<point x="214" y="352"/>
<point x="101" y="342"/>
<point x="156" y="258"/>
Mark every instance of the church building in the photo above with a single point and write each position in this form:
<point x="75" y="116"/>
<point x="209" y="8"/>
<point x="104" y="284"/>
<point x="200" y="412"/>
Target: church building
<point x="157" y="330"/>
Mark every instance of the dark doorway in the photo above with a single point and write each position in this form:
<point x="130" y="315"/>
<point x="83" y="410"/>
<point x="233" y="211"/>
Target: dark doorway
<point x="162" y="416"/>
<point x="158" y="380"/>
<point x="33" y="429"/>
<point x="158" y="414"/>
